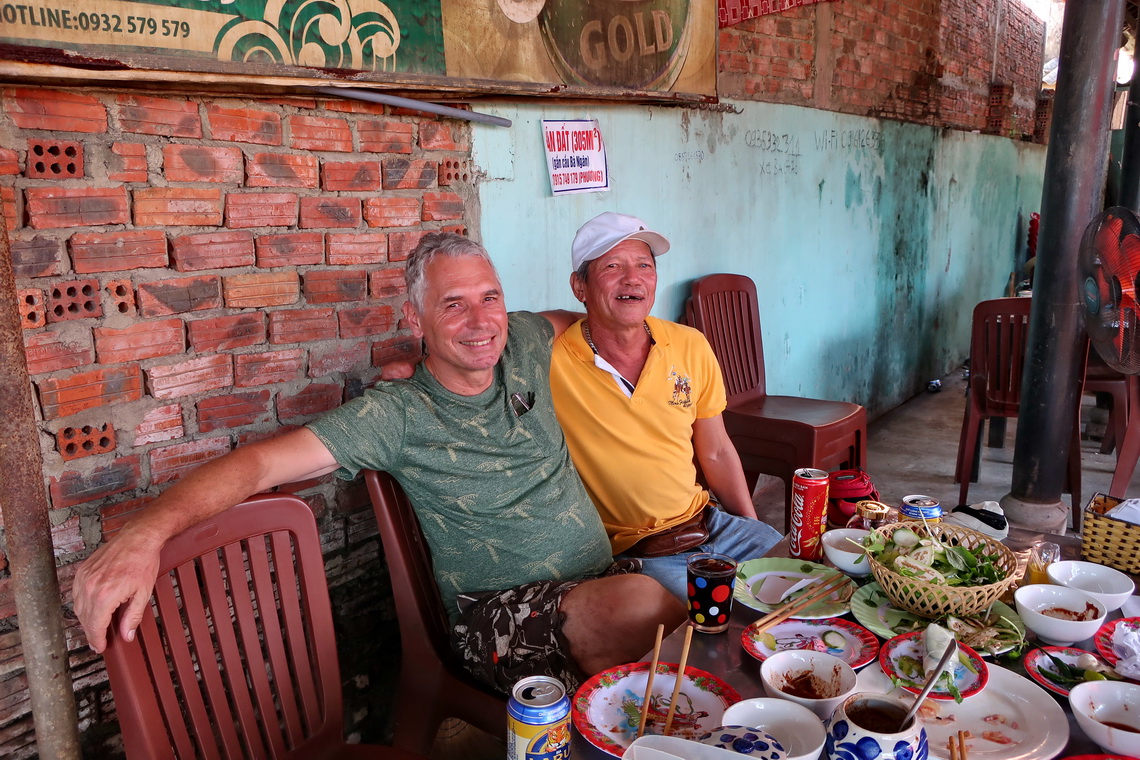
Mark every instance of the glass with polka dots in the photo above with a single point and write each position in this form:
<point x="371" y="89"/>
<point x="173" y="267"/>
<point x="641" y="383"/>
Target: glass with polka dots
<point x="711" y="578"/>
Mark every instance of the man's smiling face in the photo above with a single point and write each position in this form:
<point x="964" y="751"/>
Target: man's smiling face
<point x="620" y="287"/>
<point x="463" y="322"/>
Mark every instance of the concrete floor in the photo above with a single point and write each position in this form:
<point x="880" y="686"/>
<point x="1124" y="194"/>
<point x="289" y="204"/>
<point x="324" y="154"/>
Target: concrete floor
<point x="912" y="450"/>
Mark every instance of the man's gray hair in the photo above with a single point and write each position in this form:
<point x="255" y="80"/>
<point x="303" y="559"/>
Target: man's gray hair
<point x="435" y="244"/>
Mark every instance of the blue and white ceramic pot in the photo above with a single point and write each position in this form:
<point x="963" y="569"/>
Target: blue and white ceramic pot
<point x="864" y="725"/>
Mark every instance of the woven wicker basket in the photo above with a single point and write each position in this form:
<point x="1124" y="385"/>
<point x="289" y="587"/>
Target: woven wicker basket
<point x="933" y="600"/>
<point x="1108" y="541"/>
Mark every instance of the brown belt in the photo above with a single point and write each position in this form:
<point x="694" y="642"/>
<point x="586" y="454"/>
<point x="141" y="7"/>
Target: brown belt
<point x="681" y="537"/>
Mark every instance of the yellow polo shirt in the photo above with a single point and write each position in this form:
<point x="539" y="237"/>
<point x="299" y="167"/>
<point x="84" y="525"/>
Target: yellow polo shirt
<point x="635" y="455"/>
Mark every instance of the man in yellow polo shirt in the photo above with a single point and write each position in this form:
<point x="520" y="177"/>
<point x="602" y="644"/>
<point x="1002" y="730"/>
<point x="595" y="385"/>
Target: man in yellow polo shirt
<point x="637" y="398"/>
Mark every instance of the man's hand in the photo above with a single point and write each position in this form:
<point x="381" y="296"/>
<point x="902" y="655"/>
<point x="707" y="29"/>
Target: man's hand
<point x="120" y="574"/>
<point x="398" y="370"/>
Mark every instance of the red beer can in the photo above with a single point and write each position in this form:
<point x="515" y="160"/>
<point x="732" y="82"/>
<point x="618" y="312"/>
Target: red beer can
<point x="809" y="513"/>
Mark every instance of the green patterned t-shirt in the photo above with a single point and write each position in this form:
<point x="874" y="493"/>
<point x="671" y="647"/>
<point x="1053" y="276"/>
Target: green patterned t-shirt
<point x="498" y="498"/>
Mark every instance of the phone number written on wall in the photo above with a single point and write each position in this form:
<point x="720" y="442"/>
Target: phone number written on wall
<point x="62" y="18"/>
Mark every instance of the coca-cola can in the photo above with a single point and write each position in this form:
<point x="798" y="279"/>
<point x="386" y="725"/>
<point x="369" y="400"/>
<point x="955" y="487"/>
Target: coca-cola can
<point x="809" y="513"/>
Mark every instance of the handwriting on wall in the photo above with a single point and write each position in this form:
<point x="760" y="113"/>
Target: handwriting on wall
<point x="782" y="150"/>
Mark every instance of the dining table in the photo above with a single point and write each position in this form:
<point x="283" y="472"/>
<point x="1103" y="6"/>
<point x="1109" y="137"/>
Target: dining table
<point x="723" y="655"/>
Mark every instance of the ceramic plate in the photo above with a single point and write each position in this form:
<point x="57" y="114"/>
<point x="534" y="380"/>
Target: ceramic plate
<point x="1011" y="719"/>
<point x="751" y="574"/>
<point x="1102" y="639"/>
<point x="970" y="679"/>
<point x="1096" y="757"/>
<point x="872" y="608"/>
<point x="607" y="708"/>
<point x="851" y="643"/>
<point x="1040" y="667"/>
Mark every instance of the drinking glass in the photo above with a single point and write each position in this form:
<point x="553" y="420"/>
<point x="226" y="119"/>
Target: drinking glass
<point x="711" y="580"/>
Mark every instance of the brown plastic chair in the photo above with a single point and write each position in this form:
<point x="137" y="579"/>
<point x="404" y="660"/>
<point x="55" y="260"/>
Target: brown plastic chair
<point x="997" y="356"/>
<point x="433" y="684"/>
<point x="236" y="657"/>
<point x="1101" y="378"/>
<point x="775" y="435"/>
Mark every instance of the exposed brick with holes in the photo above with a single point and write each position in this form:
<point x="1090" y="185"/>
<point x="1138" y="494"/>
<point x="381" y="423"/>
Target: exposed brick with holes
<point x="192" y="271"/>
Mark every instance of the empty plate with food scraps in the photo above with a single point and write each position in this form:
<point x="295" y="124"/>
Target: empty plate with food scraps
<point x="607" y="708"/>
<point x="1102" y="639"/>
<point x="1059" y="669"/>
<point x="780" y="578"/>
<point x="902" y="658"/>
<point x="840" y="638"/>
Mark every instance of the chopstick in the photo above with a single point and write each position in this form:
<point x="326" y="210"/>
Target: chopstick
<point x="680" y="677"/>
<point x="957" y="746"/>
<point x="649" y="683"/>
<point x="812" y="595"/>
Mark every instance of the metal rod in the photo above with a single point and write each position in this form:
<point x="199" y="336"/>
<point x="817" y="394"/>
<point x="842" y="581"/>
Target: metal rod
<point x="28" y="532"/>
<point x="418" y="105"/>
<point x="1074" y="179"/>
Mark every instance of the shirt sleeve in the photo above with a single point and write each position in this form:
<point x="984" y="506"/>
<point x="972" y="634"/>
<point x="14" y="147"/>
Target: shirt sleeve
<point x="712" y="398"/>
<point x="366" y="432"/>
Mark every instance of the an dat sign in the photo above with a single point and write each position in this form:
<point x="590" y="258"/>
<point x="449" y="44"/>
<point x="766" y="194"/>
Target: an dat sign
<point x="575" y="156"/>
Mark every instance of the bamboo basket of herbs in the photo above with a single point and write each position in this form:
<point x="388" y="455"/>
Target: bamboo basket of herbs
<point x="937" y="600"/>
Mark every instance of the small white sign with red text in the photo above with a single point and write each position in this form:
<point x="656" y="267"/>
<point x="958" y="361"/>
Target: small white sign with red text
<point x="575" y="156"/>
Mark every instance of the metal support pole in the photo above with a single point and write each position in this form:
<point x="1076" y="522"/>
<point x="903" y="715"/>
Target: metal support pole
<point x="1074" y="179"/>
<point x="30" y="556"/>
<point x="415" y="105"/>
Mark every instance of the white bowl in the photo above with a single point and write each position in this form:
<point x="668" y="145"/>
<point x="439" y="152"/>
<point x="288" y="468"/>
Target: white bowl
<point x="1115" y="701"/>
<point x="818" y="672"/>
<point x="1031" y="600"/>
<point x="1111" y="587"/>
<point x="793" y="725"/>
<point x="843" y="554"/>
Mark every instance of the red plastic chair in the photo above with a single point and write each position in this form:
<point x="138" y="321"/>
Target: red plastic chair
<point x="775" y="435"/>
<point x="433" y="684"/>
<point x="997" y="356"/>
<point x="237" y="658"/>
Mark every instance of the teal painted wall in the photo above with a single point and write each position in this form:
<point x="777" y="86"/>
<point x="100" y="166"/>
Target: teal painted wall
<point x="870" y="241"/>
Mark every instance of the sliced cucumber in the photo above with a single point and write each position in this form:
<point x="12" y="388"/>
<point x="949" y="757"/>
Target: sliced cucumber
<point x="834" y="640"/>
<point x="904" y="537"/>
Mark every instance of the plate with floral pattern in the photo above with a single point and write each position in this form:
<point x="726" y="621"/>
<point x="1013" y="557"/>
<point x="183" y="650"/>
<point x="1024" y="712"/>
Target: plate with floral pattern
<point x="607" y="708"/>
<point x="840" y="638"/>
<point x="1102" y="639"/>
<point x="901" y="658"/>
<point x="1043" y="670"/>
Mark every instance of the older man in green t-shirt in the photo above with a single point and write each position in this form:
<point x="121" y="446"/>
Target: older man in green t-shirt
<point x="518" y="548"/>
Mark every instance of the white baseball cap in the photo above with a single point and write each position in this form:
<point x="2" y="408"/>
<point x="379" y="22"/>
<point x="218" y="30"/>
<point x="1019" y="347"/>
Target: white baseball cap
<point x="596" y="237"/>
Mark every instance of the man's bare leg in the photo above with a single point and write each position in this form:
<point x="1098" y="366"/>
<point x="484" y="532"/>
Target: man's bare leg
<point x="613" y="620"/>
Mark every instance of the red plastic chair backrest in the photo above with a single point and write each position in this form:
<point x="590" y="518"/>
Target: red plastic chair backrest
<point x="724" y="308"/>
<point x="424" y="628"/>
<point x="997" y="354"/>
<point x="236" y="657"/>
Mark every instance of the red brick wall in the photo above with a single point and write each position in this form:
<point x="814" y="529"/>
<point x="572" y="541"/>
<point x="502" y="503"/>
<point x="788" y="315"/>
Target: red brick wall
<point x="923" y="61"/>
<point x="205" y="271"/>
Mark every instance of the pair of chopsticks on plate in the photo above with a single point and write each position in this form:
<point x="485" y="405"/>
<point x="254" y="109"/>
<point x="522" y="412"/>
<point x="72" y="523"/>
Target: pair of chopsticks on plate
<point x="957" y="746"/>
<point x="676" y="687"/>
<point x="809" y="597"/>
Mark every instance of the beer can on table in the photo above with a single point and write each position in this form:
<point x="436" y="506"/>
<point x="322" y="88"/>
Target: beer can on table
<point x="809" y="513"/>
<point x="917" y="507"/>
<point x="538" y="720"/>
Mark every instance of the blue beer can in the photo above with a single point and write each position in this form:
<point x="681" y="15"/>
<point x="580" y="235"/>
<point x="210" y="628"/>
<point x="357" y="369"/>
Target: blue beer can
<point x="538" y="720"/>
<point x="919" y="507"/>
